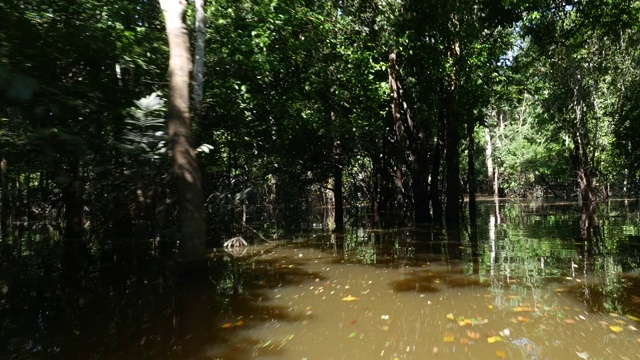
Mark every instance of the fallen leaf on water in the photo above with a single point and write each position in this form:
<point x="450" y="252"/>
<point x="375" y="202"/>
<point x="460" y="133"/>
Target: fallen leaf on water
<point x="435" y="349"/>
<point x="633" y="328"/>
<point x="352" y="335"/>
<point x="227" y="325"/>
<point x="240" y="323"/>
<point x="615" y="328"/>
<point x="447" y="338"/>
<point x="522" y="308"/>
<point x="384" y="328"/>
<point x="523" y="319"/>
<point x="631" y="317"/>
<point x="614" y="314"/>
<point x="569" y="321"/>
<point x="450" y="316"/>
<point x="490" y="306"/>
<point x="582" y="355"/>
<point x="501" y="354"/>
<point x="494" y="339"/>
<point x="473" y="334"/>
<point x="464" y="341"/>
<point x="621" y="321"/>
<point x="349" y="298"/>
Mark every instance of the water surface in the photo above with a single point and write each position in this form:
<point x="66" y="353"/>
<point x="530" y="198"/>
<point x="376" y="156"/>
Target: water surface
<point x="534" y="280"/>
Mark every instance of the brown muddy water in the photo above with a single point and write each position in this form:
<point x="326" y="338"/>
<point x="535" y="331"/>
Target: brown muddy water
<point x="540" y="282"/>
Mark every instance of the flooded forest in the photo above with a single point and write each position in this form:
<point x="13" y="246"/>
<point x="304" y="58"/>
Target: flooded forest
<point x="319" y="179"/>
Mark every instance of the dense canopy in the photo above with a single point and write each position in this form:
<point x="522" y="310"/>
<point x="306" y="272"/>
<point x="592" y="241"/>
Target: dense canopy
<point x="388" y="111"/>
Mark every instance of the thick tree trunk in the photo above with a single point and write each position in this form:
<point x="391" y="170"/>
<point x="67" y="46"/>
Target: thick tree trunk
<point x="185" y="165"/>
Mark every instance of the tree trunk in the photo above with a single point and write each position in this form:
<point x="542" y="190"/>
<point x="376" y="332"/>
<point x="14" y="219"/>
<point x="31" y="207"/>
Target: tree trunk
<point x="401" y="137"/>
<point x="471" y="168"/>
<point x="434" y="187"/>
<point x="489" y="158"/>
<point x="198" y="63"/>
<point x="5" y="250"/>
<point x="337" y="183"/>
<point x="73" y="205"/>
<point x="583" y="168"/>
<point x="185" y="165"/>
<point x="338" y="198"/>
<point x="452" y="159"/>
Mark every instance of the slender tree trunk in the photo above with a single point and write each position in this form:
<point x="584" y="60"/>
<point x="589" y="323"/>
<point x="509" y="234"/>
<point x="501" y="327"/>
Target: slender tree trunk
<point x="337" y="183"/>
<point x="198" y="62"/>
<point x="583" y="168"/>
<point x="5" y="250"/>
<point x="434" y="188"/>
<point x="452" y="156"/>
<point x="72" y="196"/>
<point x="452" y="159"/>
<point x="401" y="137"/>
<point x="185" y="165"/>
<point x="471" y="171"/>
<point x="338" y="197"/>
<point x="375" y="189"/>
<point x="489" y="158"/>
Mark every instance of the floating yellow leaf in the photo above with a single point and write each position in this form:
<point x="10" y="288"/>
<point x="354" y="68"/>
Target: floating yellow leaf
<point x="523" y="319"/>
<point x="494" y="339"/>
<point x="501" y="354"/>
<point x="349" y="298"/>
<point x="240" y="323"/>
<point x="462" y="323"/>
<point x="615" y="328"/>
<point x="450" y="316"/>
<point x="621" y="321"/>
<point x="522" y="308"/>
<point x="227" y="325"/>
<point x="490" y="306"/>
<point x="447" y="338"/>
<point x="464" y="341"/>
<point x="631" y="317"/>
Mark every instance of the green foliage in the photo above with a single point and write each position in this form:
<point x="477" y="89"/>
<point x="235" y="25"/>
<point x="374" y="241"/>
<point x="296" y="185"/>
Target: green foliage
<point x="144" y="135"/>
